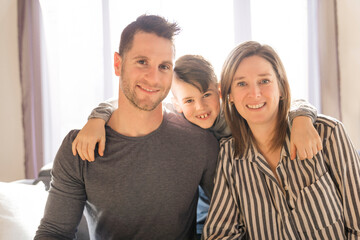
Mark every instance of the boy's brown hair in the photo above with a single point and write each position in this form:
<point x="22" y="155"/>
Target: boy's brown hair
<point x="195" y="70"/>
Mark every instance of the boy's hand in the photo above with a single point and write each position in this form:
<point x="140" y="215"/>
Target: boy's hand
<point x="304" y="139"/>
<point x="84" y="144"/>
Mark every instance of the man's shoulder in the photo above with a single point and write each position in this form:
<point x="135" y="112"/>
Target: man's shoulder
<point x="71" y="135"/>
<point x="65" y="148"/>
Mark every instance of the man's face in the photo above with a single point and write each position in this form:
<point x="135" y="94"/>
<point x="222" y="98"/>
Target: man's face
<point x="146" y="71"/>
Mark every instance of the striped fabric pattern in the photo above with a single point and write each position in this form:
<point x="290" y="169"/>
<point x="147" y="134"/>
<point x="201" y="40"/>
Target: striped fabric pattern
<point x="320" y="198"/>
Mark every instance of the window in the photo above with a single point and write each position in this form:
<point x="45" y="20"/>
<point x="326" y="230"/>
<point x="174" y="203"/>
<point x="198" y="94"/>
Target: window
<point x="81" y="36"/>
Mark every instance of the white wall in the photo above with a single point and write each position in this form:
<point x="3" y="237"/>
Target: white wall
<point x="349" y="57"/>
<point x="11" y="129"/>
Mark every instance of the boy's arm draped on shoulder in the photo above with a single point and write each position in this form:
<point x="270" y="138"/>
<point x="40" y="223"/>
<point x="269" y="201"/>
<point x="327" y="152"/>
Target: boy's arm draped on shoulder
<point x="94" y="131"/>
<point x="304" y="139"/>
<point x="104" y="110"/>
<point x="300" y="107"/>
<point x="67" y="196"/>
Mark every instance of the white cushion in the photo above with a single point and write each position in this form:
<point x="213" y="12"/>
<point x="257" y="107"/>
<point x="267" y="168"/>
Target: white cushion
<point x="21" y="209"/>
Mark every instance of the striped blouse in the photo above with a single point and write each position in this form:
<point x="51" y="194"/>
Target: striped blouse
<point x="320" y="200"/>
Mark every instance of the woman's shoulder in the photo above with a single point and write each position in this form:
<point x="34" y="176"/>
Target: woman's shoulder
<point x="226" y="141"/>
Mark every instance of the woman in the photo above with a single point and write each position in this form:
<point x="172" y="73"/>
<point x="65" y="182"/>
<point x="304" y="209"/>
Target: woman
<point x="259" y="192"/>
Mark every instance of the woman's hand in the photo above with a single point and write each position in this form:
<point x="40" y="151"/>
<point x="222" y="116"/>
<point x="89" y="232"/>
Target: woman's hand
<point x="304" y="139"/>
<point x="84" y="144"/>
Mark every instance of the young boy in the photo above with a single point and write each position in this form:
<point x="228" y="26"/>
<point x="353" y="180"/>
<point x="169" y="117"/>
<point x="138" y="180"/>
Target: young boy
<point x="195" y="95"/>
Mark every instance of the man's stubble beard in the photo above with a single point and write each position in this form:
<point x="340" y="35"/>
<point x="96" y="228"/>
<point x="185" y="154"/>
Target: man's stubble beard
<point x="131" y="96"/>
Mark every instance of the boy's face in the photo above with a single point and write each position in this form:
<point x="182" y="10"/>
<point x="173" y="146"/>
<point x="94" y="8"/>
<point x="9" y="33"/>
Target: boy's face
<point x="199" y="108"/>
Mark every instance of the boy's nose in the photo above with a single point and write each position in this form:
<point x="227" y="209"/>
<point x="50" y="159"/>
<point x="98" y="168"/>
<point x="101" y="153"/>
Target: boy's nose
<point x="200" y="105"/>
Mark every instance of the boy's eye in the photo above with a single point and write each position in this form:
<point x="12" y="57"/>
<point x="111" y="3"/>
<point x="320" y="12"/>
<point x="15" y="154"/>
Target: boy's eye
<point x="189" y="101"/>
<point x="207" y="95"/>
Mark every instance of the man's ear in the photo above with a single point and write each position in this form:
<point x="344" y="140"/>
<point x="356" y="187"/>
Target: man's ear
<point x="176" y="105"/>
<point x="117" y="64"/>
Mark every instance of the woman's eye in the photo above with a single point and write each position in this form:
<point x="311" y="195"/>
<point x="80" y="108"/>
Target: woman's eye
<point x="264" y="81"/>
<point x="189" y="101"/>
<point x="241" y="84"/>
<point x="142" y="62"/>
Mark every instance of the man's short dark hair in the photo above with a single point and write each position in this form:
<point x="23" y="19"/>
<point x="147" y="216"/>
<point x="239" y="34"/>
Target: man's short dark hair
<point x="195" y="70"/>
<point x="149" y="24"/>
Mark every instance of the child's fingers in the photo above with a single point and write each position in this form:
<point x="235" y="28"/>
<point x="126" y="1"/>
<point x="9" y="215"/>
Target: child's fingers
<point x="319" y="144"/>
<point x="73" y="146"/>
<point x="102" y="146"/>
<point x="292" y="151"/>
<point x="302" y="154"/>
<point x="79" y="150"/>
<point x="84" y="150"/>
<point x="90" y="151"/>
<point x="309" y="154"/>
<point x="315" y="150"/>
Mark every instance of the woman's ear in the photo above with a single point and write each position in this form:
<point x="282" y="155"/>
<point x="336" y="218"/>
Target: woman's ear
<point x="230" y="98"/>
<point x="176" y="105"/>
<point x="117" y="64"/>
<point x="219" y="89"/>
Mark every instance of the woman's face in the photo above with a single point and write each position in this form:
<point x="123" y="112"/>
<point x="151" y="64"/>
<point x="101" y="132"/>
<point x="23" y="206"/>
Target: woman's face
<point x="255" y="91"/>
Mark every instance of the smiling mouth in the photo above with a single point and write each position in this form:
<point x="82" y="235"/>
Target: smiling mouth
<point x="202" y="116"/>
<point x="147" y="89"/>
<point x="257" y="106"/>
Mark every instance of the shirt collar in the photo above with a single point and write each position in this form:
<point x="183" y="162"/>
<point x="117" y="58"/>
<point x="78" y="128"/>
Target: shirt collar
<point x="252" y="153"/>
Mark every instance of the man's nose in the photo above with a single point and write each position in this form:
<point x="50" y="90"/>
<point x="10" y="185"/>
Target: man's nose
<point x="152" y="74"/>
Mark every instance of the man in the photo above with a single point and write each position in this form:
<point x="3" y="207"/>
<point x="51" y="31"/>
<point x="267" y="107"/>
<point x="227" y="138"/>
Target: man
<point x="146" y="184"/>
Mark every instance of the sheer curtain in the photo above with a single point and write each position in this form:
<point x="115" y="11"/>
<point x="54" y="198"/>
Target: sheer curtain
<point x="74" y="48"/>
<point x="67" y="47"/>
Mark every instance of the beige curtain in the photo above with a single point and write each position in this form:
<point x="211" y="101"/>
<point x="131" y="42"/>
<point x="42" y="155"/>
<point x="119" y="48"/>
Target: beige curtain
<point x="29" y="25"/>
<point x="329" y="71"/>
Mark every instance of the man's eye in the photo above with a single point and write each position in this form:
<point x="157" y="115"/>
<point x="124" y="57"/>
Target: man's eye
<point x="143" y="62"/>
<point x="164" y="67"/>
<point x="264" y="81"/>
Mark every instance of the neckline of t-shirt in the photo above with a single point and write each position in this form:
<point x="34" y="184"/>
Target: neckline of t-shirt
<point x="112" y="132"/>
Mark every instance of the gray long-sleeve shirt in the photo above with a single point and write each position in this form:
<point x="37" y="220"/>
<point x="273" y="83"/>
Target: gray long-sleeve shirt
<point x="143" y="187"/>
